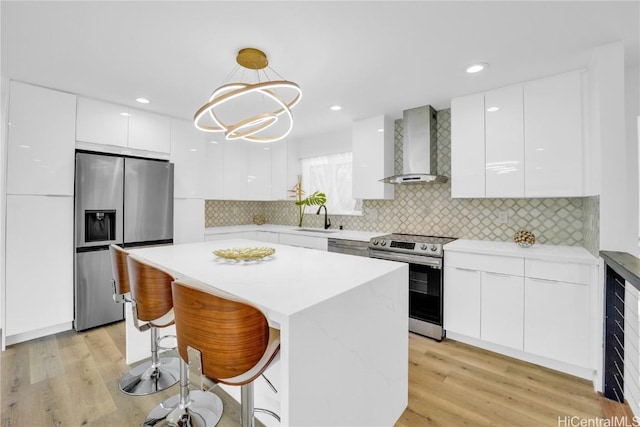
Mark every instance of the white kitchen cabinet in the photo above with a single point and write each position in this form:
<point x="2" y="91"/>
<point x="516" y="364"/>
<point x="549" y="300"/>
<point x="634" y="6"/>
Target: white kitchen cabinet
<point x="502" y="309"/>
<point x="189" y="158"/>
<point x="213" y="174"/>
<point x="285" y="168"/>
<point x="188" y="220"/>
<point x="521" y="141"/>
<point x="101" y="122"/>
<point x="39" y="265"/>
<point x="553" y="136"/>
<point x="462" y="301"/>
<point x="258" y="172"/>
<point x="504" y="142"/>
<point x="310" y="242"/>
<point x="236" y="170"/>
<point x="251" y="235"/>
<point x="267" y="236"/>
<point x="148" y="131"/>
<point x="41" y="141"/>
<point x="373" y="158"/>
<point x="537" y="304"/>
<point x="557" y="320"/>
<point x="468" y="146"/>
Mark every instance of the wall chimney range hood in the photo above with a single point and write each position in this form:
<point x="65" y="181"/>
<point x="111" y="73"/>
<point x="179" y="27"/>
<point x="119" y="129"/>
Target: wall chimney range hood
<point x="420" y="154"/>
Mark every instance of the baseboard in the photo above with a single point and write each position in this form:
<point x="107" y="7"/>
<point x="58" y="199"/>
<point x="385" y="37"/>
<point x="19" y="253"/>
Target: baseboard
<point x="567" y="368"/>
<point x="38" y="333"/>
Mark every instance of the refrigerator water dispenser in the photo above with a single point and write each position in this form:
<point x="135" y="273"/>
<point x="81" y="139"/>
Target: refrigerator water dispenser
<point x="100" y="226"/>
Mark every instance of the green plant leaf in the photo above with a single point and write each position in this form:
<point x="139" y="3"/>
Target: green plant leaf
<point x="315" y="199"/>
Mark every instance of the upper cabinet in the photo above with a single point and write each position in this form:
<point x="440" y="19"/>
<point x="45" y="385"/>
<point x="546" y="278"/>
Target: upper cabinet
<point x="553" y="136"/>
<point x="467" y="146"/>
<point x="41" y="141"/>
<point x="373" y="140"/>
<point x="520" y="141"/>
<point x="213" y="172"/>
<point x="100" y="122"/>
<point x="188" y="155"/>
<point x="148" y="131"/>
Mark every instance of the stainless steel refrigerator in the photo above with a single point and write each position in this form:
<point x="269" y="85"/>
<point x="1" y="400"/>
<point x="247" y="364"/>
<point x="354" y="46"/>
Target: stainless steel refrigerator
<point x="123" y="200"/>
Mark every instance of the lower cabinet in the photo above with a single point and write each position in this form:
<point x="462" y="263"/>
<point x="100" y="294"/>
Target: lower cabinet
<point x="268" y="236"/>
<point x="39" y="265"/>
<point x="462" y="301"/>
<point x="252" y="235"/>
<point x="556" y="320"/>
<point x="539" y="307"/>
<point x="310" y="242"/>
<point x="502" y="309"/>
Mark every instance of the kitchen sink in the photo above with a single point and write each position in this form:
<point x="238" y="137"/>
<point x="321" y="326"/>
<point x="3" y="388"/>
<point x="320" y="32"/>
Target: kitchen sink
<point x="317" y="230"/>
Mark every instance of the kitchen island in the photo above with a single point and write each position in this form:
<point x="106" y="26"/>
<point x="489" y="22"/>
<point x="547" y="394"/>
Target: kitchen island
<point x="343" y="322"/>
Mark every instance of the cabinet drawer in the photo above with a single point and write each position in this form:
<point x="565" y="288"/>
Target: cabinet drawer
<point x="558" y="271"/>
<point x="304" y="241"/>
<point x="491" y="263"/>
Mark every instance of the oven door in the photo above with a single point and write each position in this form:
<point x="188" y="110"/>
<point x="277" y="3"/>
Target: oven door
<point x="425" y="291"/>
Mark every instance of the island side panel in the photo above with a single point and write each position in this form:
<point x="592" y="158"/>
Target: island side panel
<point x="347" y="358"/>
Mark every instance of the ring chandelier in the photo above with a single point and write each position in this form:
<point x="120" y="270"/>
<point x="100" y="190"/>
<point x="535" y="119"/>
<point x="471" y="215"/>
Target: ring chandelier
<point x="254" y="125"/>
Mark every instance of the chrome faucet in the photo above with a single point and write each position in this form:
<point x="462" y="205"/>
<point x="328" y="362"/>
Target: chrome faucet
<point x="327" y="221"/>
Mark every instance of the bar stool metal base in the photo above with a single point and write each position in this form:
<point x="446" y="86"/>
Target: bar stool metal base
<point x="203" y="410"/>
<point x="145" y="379"/>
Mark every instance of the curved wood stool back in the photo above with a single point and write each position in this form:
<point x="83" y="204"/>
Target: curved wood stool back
<point x="233" y="337"/>
<point x="119" y="269"/>
<point x="150" y="291"/>
<point x="151" y="302"/>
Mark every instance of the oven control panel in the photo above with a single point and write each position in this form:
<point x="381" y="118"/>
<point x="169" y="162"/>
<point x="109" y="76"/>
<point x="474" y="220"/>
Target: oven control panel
<point x="429" y="249"/>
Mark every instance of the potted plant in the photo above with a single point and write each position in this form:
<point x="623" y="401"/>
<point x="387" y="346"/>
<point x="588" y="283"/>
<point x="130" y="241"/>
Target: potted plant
<point x="315" y="199"/>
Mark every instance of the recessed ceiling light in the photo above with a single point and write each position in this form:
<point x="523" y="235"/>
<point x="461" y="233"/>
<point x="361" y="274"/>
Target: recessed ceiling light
<point x="142" y="100"/>
<point x="381" y="130"/>
<point x="193" y="149"/>
<point x="24" y="146"/>
<point x="267" y="148"/>
<point x="476" y="68"/>
<point x="492" y="109"/>
<point x="125" y="114"/>
<point x="335" y="108"/>
<point x="213" y="142"/>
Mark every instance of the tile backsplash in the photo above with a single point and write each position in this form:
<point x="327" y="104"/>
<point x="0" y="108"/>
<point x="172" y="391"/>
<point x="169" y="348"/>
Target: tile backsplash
<point x="429" y="209"/>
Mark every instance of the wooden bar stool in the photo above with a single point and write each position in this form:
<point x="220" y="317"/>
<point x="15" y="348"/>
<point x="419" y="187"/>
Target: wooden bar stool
<point x="151" y="302"/>
<point x="121" y="289"/>
<point x="225" y="340"/>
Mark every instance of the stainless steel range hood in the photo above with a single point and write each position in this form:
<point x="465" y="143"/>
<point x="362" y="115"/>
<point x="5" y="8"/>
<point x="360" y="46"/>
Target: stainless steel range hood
<point x="420" y="154"/>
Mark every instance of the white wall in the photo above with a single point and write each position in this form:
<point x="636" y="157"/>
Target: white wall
<point x="612" y="150"/>
<point x="324" y="144"/>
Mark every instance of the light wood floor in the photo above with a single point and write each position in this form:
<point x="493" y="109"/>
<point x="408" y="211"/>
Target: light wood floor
<point x="71" y="379"/>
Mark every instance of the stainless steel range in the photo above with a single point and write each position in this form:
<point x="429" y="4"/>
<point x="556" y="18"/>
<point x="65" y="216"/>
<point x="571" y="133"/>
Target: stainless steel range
<point x="425" y="257"/>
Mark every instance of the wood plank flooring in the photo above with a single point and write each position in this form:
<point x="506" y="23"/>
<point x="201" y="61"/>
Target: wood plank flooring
<point x="71" y="379"/>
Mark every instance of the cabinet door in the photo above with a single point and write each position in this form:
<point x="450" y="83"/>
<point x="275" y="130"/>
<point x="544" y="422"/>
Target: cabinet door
<point x="504" y="142"/>
<point x="556" y="321"/>
<point x="258" y="172"/>
<point x="373" y="140"/>
<point x="213" y="174"/>
<point x="101" y="122"/>
<point x="553" y="136"/>
<point x="267" y="236"/>
<point x="188" y="220"/>
<point x="502" y="309"/>
<point x="188" y="156"/>
<point x="236" y="170"/>
<point x="148" y="131"/>
<point x="462" y="301"/>
<point x="39" y="263"/>
<point x="467" y="146"/>
<point x="41" y="141"/>
<point x="310" y="242"/>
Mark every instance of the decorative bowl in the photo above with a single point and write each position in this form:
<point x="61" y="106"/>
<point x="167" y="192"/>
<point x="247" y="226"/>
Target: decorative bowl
<point x="524" y="238"/>
<point x="244" y="254"/>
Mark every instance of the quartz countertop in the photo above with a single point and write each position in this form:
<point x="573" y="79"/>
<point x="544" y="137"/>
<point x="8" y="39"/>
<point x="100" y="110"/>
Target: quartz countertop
<point x="555" y="253"/>
<point x="362" y="236"/>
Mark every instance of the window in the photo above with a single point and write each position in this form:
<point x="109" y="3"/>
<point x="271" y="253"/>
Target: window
<point x="332" y="175"/>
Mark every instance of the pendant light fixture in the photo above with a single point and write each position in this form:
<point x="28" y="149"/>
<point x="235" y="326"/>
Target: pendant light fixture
<point x="258" y="110"/>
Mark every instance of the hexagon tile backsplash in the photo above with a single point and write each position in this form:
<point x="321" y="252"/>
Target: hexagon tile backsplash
<point x="429" y="209"/>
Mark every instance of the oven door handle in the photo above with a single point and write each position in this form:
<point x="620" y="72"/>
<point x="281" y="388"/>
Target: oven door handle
<point x="411" y="259"/>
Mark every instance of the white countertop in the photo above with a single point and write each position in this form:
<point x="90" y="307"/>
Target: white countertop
<point x="285" y="283"/>
<point x="555" y="253"/>
<point x="362" y="236"/>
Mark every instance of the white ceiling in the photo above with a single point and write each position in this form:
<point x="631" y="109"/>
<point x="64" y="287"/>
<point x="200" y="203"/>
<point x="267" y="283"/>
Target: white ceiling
<point x="371" y="57"/>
